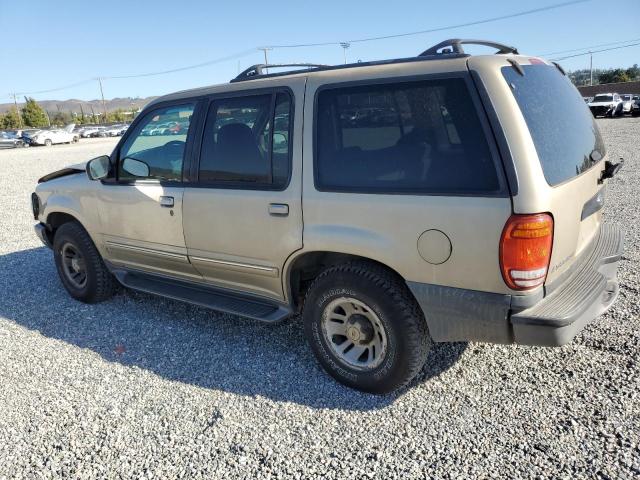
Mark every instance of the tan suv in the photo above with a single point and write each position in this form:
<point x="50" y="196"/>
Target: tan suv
<point x="443" y="197"/>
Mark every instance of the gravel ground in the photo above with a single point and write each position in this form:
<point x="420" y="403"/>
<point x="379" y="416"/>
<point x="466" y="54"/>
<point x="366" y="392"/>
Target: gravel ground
<point x="145" y="387"/>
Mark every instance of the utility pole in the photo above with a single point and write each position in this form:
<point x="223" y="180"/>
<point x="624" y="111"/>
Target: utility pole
<point x="590" y="68"/>
<point x="266" y="60"/>
<point x="104" y="107"/>
<point x="15" y="102"/>
<point x="344" y="46"/>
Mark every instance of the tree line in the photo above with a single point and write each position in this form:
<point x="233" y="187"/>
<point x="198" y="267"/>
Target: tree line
<point x="33" y="115"/>
<point x="610" y="75"/>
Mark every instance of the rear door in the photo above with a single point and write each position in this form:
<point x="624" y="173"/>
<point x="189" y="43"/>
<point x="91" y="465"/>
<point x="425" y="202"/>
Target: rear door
<point x="242" y="212"/>
<point x="555" y="147"/>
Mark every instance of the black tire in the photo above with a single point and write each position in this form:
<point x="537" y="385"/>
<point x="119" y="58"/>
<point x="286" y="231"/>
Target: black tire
<point x="385" y="294"/>
<point x="47" y="143"/>
<point x="99" y="284"/>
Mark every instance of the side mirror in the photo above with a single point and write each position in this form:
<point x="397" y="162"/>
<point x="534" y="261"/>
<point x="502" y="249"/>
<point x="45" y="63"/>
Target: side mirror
<point x="279" y="139"/>
<point x="99" y="167"/>
<point x="134" y="167"/>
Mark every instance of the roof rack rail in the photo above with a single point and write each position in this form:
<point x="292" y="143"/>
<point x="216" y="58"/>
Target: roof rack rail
<point x="455" y="46"/>
<point x="258" y="69"/>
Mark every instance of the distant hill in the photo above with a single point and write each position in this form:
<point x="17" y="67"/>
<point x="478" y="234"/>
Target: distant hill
<point x="73" y="105"/>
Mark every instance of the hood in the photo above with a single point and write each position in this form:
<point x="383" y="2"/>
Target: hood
<point x="70" y="170"/>
<point x="602" y="104"/>
<point x="69" y="128"/>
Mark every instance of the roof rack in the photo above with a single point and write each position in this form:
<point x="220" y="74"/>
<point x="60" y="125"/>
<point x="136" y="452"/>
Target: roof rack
<point x="449" y="49"/>
<point x="454" y="45"/>
<point x="259" y="69"/>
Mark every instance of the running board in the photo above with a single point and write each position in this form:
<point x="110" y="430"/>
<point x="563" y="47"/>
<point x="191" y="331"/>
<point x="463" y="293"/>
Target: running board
<point x="204" y="296"/>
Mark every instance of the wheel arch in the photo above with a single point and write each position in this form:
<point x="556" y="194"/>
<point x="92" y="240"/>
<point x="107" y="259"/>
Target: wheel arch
<point x="301" y="269"/>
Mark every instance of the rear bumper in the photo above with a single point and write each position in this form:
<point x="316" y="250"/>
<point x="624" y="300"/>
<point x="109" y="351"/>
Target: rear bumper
<point x="587" y="293"/>
<point x="455" y="314"/>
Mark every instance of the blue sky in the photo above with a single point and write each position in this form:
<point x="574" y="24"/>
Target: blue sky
<point x="56" y="43"/>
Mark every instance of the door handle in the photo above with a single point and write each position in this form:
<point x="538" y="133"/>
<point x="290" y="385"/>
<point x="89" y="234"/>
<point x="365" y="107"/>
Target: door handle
<point x="279" y="209"/>
<point x="166" y="201"/>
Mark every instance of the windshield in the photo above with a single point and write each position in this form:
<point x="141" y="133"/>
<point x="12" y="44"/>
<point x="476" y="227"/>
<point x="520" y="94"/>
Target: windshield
<point x="603" y="98"/>
<point x="625" y="97"/>
<point x="562" y="128"/>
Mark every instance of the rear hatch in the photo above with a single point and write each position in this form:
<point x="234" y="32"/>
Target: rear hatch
<point x="553" y="149"/>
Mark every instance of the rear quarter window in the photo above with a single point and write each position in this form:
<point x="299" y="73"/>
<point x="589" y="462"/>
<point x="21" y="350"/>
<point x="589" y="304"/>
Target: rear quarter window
<point x="562" y="128"/>
<point x="411" y="137"/>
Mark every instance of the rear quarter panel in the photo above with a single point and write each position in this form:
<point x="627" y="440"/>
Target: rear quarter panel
<point x="386" y="227"/>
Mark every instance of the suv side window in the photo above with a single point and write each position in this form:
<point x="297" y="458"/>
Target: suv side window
<point x="247" y="142"/>
<point x="419" y="136"/>
<point x="158" y="142"/>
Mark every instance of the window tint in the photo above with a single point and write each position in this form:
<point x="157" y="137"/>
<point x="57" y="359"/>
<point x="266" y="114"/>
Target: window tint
<point x="158" y="141"/>
<point x="405" y="137"/>
<point x="247" y="141"/>
<point x="562" y="127"/>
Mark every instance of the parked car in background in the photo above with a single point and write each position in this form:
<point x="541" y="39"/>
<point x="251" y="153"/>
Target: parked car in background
<point x="627" y="101"/>
<point x="27" y="133"/>
<point x="88" y="132"/>
<point x="98" y="132"/>
<point x="54" y="136"/>
<point x="114" y="131"/>
<point x="635" y="107"/>
<point x="606" y="105"/>
<point x="10" y="140"/>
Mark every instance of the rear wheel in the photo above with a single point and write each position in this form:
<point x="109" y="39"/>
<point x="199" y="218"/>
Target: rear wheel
<point x="80" y="266"/>
<point x="365" y="327"/>
<point x="47" y="143"/>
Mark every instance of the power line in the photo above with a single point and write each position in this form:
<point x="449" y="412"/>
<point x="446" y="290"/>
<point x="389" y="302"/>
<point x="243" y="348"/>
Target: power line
<point x="596" y="51"/>
<point x="437" y="29"/>
<point x="591" y="46"/>
<point x="138" y="75"/>
<point x="77" y="84"/>
<point x="181" y="69"/>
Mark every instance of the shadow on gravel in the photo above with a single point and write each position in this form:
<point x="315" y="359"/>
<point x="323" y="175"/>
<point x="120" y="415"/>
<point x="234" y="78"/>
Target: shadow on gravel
<point x="183" y="343"/>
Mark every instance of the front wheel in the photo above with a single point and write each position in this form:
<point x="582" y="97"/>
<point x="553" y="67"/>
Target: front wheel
<point x="47" y="143"/>
<point x="80" y="266"/>
<point x="365" y="328"/>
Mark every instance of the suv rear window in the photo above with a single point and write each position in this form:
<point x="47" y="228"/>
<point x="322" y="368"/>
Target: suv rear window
<point x="563" y="129"/>
<point x="419" y="136"/>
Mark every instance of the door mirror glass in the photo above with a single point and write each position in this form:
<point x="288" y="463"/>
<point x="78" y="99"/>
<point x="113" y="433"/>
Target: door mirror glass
<point x="98" y="168"/>
<point x="279" y="141"/>
<point x="134" y="167"/>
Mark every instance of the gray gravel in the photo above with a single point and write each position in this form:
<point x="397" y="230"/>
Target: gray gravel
<point x="145" y="387"/>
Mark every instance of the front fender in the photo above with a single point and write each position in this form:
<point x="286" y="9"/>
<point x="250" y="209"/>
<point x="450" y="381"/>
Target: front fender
<point x="73" y="195"/>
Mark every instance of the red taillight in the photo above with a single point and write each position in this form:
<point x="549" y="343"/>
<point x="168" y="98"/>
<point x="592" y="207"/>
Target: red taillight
<point x="525" y="250"/>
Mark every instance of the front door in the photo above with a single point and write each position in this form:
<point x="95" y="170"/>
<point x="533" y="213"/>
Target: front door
<point x="141" y="211"/>
<point x="243" y="215"/>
